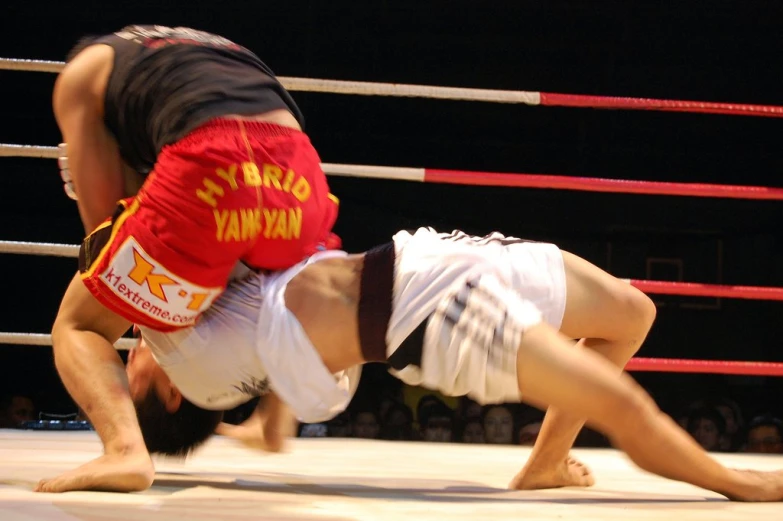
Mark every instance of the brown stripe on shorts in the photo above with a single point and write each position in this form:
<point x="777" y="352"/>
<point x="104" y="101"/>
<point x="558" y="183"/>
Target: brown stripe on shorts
<point x="375" y="301"/>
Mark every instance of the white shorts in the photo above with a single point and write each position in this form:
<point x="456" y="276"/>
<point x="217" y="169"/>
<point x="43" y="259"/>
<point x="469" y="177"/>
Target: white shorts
<point x="461" y="305"/>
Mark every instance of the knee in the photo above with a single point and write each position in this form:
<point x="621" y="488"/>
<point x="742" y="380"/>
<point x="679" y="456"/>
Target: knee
<point x="644" y="310"/>
<point x="638" y="312"/>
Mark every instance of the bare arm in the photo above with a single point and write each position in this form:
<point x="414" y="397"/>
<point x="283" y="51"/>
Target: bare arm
<point x="91" y="369"/>
<point x="267" y="428"/>
<point x="93" y="155"/>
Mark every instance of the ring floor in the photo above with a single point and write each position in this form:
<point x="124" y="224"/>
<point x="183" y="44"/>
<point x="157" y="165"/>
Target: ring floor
<point x="342" y="479"/>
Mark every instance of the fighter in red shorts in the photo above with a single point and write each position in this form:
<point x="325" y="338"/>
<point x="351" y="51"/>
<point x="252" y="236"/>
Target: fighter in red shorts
<point x="225" y="174"/>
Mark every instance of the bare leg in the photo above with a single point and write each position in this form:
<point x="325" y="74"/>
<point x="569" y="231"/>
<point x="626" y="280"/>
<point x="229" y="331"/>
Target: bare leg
<point x="613" y="319"/>
<point x="580" y="382"/>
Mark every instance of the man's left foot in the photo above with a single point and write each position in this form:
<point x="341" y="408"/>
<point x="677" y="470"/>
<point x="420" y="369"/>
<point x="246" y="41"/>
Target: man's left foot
<point x="570" y="473"/>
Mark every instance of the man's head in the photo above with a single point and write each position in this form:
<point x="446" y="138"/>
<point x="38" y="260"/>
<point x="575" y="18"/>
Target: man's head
<point x="765" y="435"/>
<point x="397" y="423"/>
<point x="707" y="426"/>
<point x="16" y="409"/>
<point x="436" y="423"/>
<point x="365" y="424"/>
<point x="498" y="424"/>
<point x="169" y="423"/>
<point x="473" y="431"/>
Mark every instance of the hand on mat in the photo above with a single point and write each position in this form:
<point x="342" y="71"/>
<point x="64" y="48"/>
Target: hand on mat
<point x="266" y="429"/>
<point x="110" y="472"/>
<point x="252" y="433"/>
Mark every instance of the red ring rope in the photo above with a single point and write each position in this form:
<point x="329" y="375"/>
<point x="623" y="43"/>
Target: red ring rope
<point x="613" y="102"/>
<point x="693" y="289"/>
<point x="673" y="365"/>
<point x="592" y="184"/>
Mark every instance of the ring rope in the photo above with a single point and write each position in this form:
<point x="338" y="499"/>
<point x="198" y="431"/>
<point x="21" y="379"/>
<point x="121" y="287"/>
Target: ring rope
<point x="39" y="339"/>
<point x="511" y="180"/>
<point x="677" y="365"/>
<point x="496" y="179"/>
<point x="693" y="289"/>
<point x="548" y="99"/>
<point x="690" y="289"/>
<point x="39" y="248"/>
<point x="666" y="365"/>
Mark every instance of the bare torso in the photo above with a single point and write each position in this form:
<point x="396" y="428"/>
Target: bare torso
<point x="324" y="297"/>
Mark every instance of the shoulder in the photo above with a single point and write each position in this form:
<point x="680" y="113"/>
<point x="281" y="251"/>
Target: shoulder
<point x="84" y="78"/>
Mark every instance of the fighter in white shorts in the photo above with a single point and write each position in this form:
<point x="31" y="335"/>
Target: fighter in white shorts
<point x="464" y="315"/>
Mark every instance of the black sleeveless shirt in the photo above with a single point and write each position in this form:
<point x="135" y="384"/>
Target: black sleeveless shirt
<point x="167" y="81"/>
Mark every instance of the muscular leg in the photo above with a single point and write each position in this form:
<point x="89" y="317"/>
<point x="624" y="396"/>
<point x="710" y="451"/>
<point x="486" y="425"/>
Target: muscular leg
<point x="580" y="382"/>
<point x="611" y="318"/>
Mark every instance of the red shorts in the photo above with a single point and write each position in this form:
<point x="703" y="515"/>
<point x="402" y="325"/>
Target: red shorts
<point x="229" y="191"/>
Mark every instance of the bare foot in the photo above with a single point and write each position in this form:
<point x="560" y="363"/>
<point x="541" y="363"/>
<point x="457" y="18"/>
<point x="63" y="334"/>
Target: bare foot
<point x="758" y="486"/>
<point x="110" y="472"/>
<point x="570" y="473"/>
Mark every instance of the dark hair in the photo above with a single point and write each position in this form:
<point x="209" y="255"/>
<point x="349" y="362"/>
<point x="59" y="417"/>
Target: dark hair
<point x="767" y="420"/>
<point x="707" y="413"/>
<point x="486" y="408"/>
<point x="82" y="44"/>
<point x="365" y="410"/>
<point x="464" y="426"/>
<point x="174" y="434"/>
<point x="436" y="410"/>
<point x="398" y="407"/>
<point x="425" y="402"/>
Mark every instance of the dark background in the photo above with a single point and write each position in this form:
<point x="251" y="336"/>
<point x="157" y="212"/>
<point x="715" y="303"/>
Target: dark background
<point x="716" y="51"/>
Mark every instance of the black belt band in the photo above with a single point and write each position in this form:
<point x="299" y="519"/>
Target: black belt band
<point x="375" y="301"/>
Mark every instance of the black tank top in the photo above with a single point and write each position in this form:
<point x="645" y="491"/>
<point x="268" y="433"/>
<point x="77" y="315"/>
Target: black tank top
<point x="168" y="81"/>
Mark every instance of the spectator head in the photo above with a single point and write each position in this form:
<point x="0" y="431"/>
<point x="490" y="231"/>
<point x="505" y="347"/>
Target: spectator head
<point x="436" y="423"/>
<point x="765" y="435"/>
<point x="498" y="424"/>
<point x="468" y="409"/>
<point x="735" y="423"/>
<point x="707" y="427"/>
<point x="365" y="424"/>
<point x="16" y="409"/>
<point x="473" y="431"/>
<point x="397" y="423"/>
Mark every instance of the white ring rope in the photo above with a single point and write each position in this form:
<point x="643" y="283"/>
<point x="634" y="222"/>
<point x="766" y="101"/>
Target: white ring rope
<point x="8" y="150"/>
<point x="39" y="339"/>
<point x="358" y="88"/>
<point x="335" y="169"/>
<point x="39" y="248"/>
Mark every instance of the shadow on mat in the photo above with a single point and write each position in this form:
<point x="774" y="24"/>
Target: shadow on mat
<point x="410" y="489"/>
